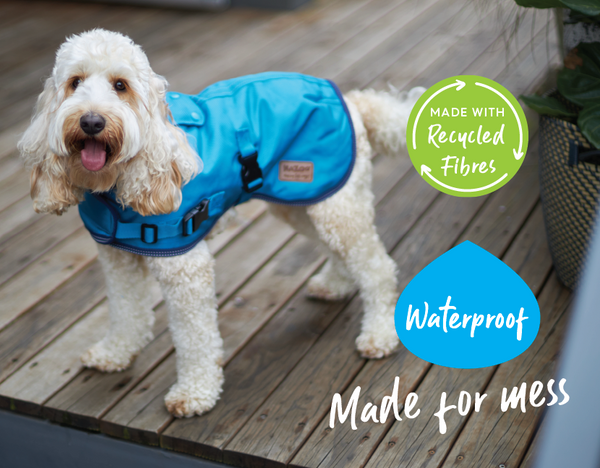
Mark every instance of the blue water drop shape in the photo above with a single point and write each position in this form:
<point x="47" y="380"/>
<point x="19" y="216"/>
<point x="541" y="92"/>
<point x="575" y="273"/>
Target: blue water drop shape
<point x="479" y="311"/>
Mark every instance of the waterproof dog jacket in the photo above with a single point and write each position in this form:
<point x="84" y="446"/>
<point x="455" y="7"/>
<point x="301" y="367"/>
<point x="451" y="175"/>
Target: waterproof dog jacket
<point x="281" y="137"/>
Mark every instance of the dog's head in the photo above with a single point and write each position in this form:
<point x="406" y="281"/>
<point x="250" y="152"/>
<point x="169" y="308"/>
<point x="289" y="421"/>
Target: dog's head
<point x="101" y="123"/>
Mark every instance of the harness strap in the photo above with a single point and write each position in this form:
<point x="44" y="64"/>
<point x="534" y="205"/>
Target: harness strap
<point x="152" y="233"/>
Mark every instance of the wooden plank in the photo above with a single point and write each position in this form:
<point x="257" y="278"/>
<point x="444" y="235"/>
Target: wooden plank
<point x="436" y="64"/>
<point x="483" y="54"/>
<point x="531" y="454"/>
<point x="92" y="393"/>
<point x="13" y="189"/>
<point x="28" y="387"/>
<point x="248" y="253"/>
<point x="412" y="19"/>
<point x="12" y="13"/>
<point x="10" y="166"/>
<point x="32" y="332"/>
<point x="491" y="437"/>
<point x="45" y="373"/>
<point x="44" y="275"/>
<point x="17" y="217"/>
<point x="248" y="213"/>
<point x="200" y="45"/>
<point x="529" y="256"/>
<point x="328" y="37"/>
<point x="375" y="60"/>
<point x="275" y="40"/>
<point x="44" y="234"/>
<point x="418" y="442"/>
<point x="27" y="39"/>
<point x="141" y="414"/>
<point x="331" y="32"/>
<point x="506" y="211"/>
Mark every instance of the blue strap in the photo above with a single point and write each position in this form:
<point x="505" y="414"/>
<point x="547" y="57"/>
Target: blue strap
<point x="155" y="232"/>
<point x="244" y="142"/>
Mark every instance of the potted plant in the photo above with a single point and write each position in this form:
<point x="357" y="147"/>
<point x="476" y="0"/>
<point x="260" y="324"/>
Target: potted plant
<point x="569" y="158"/>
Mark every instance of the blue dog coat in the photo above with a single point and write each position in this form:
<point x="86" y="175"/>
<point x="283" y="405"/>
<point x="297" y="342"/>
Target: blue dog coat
<point x="281" y="137"/>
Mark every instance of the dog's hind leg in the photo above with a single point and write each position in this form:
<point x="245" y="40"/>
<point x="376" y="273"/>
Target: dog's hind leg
<point x="187" y="282"/>
<point x="333" y="282"/>
<point x="131" y="314"/>
<point x="348" y="230"/>
<point x="345" y="224"/>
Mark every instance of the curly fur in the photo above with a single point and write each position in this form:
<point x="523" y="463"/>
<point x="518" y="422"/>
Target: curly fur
<point x="148" y="161"/>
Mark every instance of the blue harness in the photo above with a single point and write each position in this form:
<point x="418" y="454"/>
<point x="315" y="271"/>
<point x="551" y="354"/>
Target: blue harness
<point x="281" y="137"/>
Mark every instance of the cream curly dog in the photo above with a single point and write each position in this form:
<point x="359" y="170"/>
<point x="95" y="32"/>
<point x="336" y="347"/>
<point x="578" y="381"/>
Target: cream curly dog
<point x="145" y="160"/>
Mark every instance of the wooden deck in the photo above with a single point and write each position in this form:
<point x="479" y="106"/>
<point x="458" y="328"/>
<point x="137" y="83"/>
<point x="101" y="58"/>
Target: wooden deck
<point x="285" y="355"/>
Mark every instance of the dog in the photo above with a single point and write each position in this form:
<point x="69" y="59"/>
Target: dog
<point x="102" y="124"/>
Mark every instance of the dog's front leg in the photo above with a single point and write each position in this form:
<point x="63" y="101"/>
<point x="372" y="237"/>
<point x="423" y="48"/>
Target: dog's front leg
<point x="131" y="314"/>
<point x="188" y="286"/>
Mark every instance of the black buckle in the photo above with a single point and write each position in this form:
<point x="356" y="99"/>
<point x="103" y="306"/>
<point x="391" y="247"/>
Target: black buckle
<point x="154" y="228"/>
<point x="197" y="215"/>
<point x="250" y="172"/>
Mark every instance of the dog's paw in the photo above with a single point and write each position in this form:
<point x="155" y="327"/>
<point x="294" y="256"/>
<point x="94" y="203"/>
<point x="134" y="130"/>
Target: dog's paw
<point x="325" y="287"/>
<point x="377" y="345"/>
<point x="107" y="358"/>
<point x="196" y="398"/>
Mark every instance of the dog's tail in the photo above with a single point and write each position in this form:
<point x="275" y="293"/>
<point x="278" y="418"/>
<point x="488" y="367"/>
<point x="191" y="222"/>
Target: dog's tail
<point x="385" y="115"/>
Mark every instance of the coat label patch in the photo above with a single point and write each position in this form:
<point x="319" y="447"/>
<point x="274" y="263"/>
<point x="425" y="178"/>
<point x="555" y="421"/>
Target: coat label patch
<point x="296" y="171"/>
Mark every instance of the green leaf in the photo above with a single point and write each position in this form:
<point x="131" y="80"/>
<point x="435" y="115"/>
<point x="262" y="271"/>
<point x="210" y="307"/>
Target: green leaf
<point x="539" y="3"/>
<point x="579" y="87"/>
<point x="587" y="7"/>
<point x="590" y="54"/>
<point x="547" y="106"/>
<point x="589" y="123"/>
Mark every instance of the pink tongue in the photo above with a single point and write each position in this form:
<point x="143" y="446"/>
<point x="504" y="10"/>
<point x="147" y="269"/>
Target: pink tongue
<point x="93" y="155"/>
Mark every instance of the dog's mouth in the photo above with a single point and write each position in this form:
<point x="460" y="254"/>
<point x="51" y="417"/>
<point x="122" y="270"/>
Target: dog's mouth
<point x="93" y="154"/>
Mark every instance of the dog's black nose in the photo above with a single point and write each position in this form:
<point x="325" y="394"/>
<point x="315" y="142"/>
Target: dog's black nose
<point x="92" y="123"/>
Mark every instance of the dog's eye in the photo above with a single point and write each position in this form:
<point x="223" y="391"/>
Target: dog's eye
<point x="120" y="86"/>
<point x="76" y="82"/>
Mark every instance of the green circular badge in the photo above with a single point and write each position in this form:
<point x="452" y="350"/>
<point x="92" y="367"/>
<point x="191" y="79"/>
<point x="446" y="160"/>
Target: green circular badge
<point x="467" y="136"/>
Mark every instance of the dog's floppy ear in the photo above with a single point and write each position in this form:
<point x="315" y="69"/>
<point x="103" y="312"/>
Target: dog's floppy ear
<point x="151" y="183"/>
<point x="51" y="189"/>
